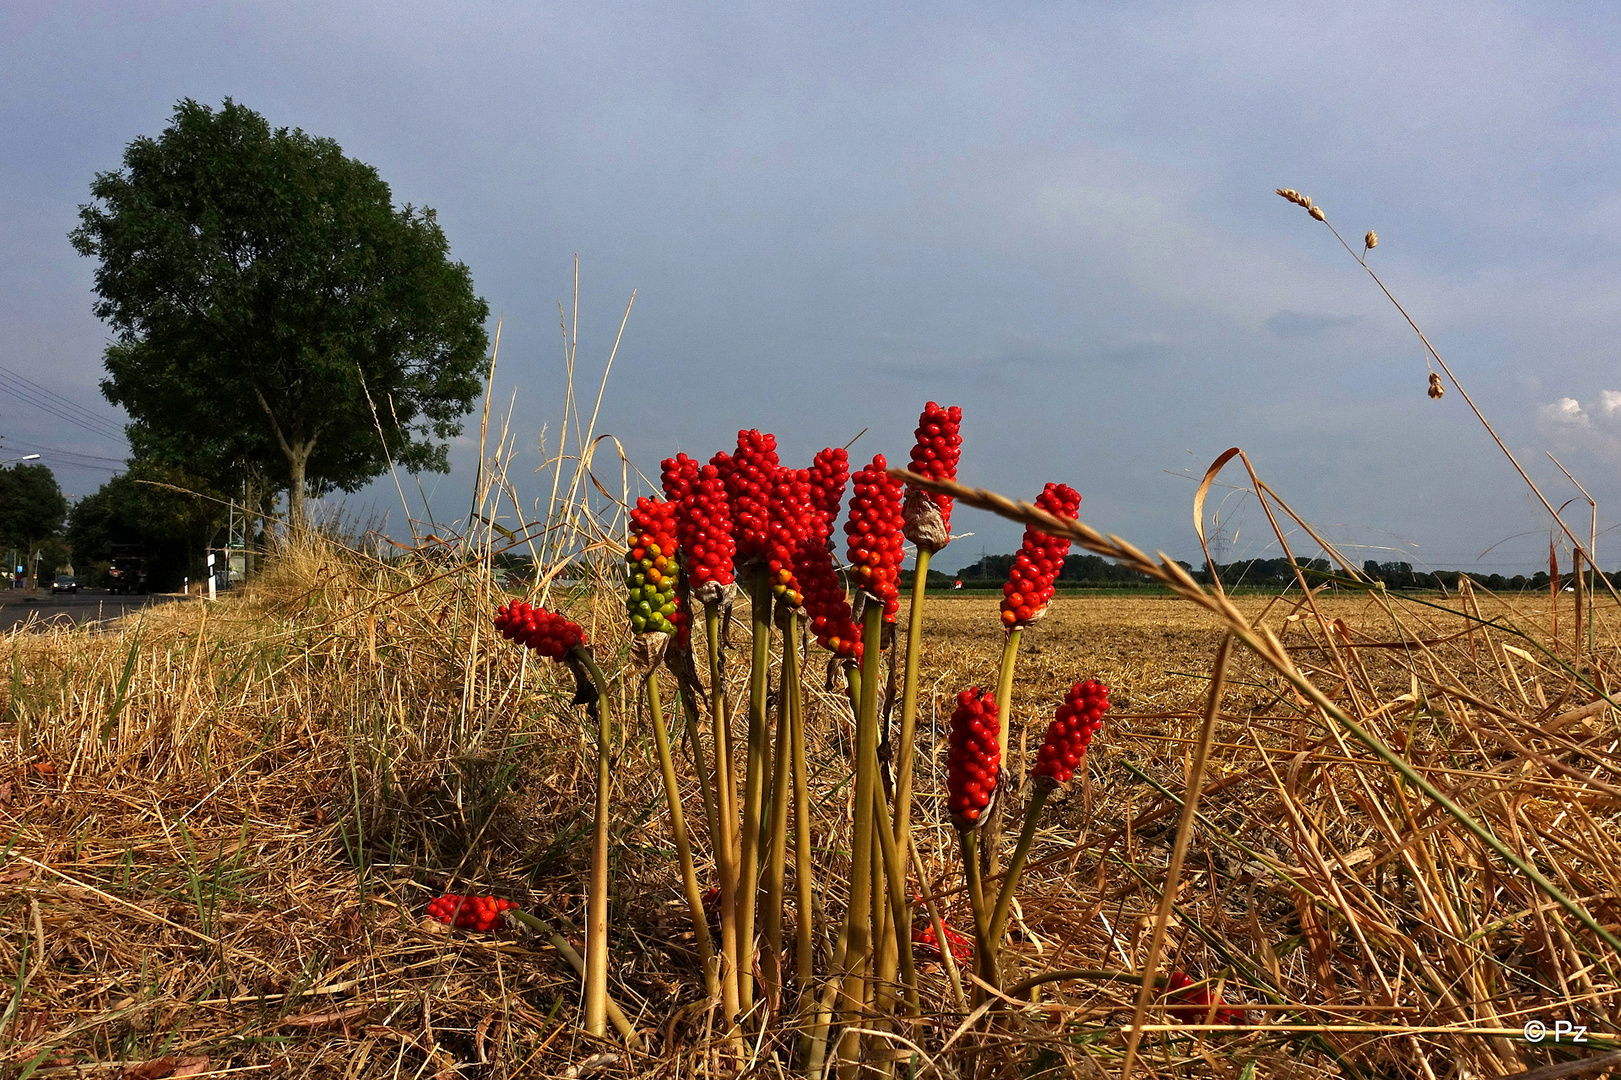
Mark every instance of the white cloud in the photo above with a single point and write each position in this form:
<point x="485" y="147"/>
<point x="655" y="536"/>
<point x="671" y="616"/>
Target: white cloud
<point x="1565" y="411"/>
<point x="1610" y="402"/>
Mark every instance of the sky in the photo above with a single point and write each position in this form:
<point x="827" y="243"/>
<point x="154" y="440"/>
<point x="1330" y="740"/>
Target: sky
<point x="1059" y="216"/>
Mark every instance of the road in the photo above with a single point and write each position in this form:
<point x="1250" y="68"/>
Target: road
<point x="17" y="608"/>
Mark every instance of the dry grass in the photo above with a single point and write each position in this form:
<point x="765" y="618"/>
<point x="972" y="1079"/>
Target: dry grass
<point x="222" y="824"/>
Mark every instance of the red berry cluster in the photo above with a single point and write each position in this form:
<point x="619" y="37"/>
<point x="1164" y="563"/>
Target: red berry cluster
<point x="962" y="946"/>
<point x="1074" y="724"/>
<point x="1192" y="1006"/>
<point x="705" y="522"/>
<point x="679" y="474"/>
<point x="1040" y="558"/>
<point x="936" y="452"/>
<point x="874" y="535"/>
<point x="829" y="473"/>
<point x="831" y="620"/>
<point x="792" y="521"/>
<point x="651" y="571"/>
<point x="974" y="759"/>
<point x="546" y="632"/>
<point x="748" y="486"/>
<point x="469" y="912"/>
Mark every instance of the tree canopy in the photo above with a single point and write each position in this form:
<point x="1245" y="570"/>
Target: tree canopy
<point x="260" y="285"/>
<point x="153" y="506"/>
<point x="31" y="505"/>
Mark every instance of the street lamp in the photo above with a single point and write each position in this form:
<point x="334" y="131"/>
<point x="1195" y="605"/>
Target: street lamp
<point x="25" y="457"/>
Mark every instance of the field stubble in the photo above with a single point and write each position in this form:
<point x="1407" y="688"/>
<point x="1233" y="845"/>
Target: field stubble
<point x="223" y="823"/>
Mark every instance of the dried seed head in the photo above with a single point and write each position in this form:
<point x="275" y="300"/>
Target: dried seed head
<point x="1316" y="212"/>
<point x="1436" y="389"/>
<point x="1371" y="240"/>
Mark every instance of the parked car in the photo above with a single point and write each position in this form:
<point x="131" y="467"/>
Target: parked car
<point x="65" y="583"/>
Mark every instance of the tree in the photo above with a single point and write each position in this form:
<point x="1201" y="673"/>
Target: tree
<point x="274" y="311"/>
<point x="31" y="507"/>
<point x="149" y="505"/>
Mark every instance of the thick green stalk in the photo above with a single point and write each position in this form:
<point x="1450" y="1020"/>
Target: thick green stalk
<point x="815" y="1044"/>
<point x="804" y="867"/>
<point x="1021" y="855"/>
<point x="678" y="832"/>
<point x="976" y="900"/>
<point x="754" y="781"/>
<point x="564" y="949"/>
<point x="992" y="853"/>
<point x="596" y="907"/>
<point x="899" y="947"/>
<point x="725" y="847"/>
<point x="689" y="712"/>
<point x="900" y="917"/>
<point x="858" y="918"/>
<point x="1004" y="687"/>
<point x="772" y="880"/>
<point x="947" y="961"/>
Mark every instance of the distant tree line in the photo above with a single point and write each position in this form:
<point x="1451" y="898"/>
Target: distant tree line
<point x="1084" y="570"/>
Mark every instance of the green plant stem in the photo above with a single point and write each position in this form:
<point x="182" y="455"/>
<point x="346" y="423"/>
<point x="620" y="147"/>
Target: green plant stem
<point x="858" y="917"/>
<point x="900" y="918"/>
<point x="566" y="950"/>
<point x="689" y="712"/>
<point x="772" y="880"/>
<point x="726" y="815"/>
<point x="976" y="900"/>
<point x="947" y="961"/>
<point x="754" y="782"/>
<point x="992" y="828"/>
<point x="1021" y="854"/>
<point x="897" y="946"/>
<point x="678" y="832"/>
<point x="815" y="1044"/>
<point x="1004" y="688"/>
<point x="804" y="865"/>
<point x="596" y="908"/>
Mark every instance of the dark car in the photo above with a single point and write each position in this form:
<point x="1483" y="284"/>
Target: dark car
<point x="65" y="583"/>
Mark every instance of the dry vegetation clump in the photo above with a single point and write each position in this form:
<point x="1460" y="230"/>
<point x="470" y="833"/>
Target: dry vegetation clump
<point x="223" y="823"/>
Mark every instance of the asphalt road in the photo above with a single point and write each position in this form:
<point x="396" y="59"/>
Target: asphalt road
<point x="86" y="605"/>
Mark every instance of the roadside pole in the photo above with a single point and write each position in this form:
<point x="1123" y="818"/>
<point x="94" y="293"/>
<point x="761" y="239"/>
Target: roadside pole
<point x="211" y="575"/>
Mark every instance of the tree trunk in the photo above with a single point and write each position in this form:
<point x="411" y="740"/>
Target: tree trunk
<point x="298" y="455"/>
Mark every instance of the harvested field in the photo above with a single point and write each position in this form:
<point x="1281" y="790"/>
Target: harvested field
<point x="224" y="823"/>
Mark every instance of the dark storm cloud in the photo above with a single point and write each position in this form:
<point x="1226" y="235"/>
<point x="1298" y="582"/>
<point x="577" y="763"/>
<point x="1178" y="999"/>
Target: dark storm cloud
<point x="1059" y="216"/>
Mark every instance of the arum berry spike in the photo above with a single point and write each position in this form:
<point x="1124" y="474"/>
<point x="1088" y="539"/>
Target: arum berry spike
<point x="926" y="521"/>
<point x="1024" y="600"/>
<point x="828" y="608"/>
<point x="1070" y="733"/>
<point x="554" y="636"/>
<point x="749" y="479"/>
<point x="651" y="570"/>
<point x="1040" y="558"/>
<point x="828" y="475"/>
<point x="873" y="533"/>
<point x="935" y="454"/>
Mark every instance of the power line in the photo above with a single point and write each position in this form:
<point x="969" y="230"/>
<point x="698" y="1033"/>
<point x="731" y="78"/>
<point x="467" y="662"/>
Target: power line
<point x="61" y="451"/>
<point x="55" y="404"/>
